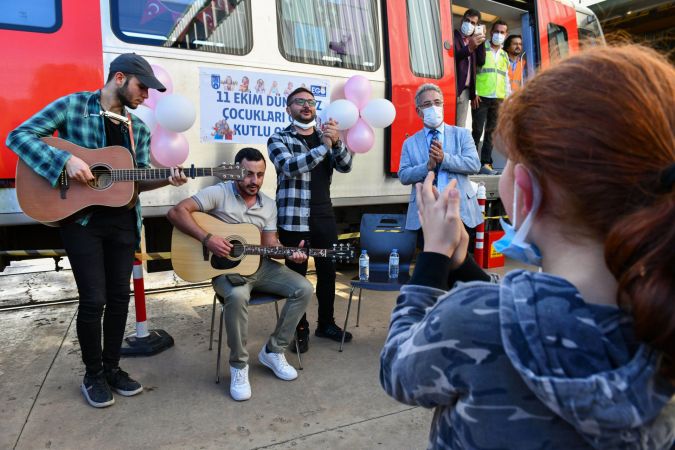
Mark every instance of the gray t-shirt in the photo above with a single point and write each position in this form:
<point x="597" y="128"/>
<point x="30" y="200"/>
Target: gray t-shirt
<point x="223" y="201"/>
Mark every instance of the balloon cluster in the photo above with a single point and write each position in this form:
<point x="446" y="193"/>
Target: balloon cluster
<point x="167" y="115"/>
<point x="356" y="114"/>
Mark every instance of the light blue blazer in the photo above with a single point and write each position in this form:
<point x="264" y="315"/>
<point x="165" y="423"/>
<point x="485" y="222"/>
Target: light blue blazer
<point x="460" y="159"/>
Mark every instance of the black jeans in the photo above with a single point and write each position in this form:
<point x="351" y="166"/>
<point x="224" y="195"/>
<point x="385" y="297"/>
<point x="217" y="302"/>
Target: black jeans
<point x="101" y="255"/>
<point x="322" y="234"/>
<point x="485" y="117"/>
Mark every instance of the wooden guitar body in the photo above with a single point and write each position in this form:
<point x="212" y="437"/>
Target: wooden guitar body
<point x="192" y="263"/>
<point x="50" y="205"/>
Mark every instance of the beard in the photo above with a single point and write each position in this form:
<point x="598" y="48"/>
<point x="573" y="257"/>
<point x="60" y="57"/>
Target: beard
<point x="123" y="95"/>
<point x="301" y="119"/>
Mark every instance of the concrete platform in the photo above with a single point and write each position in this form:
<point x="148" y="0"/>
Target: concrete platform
<point x="336" y="402"/>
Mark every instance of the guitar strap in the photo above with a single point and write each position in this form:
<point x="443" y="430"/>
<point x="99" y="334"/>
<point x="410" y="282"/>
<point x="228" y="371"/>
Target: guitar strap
<point x="131" y="135"/>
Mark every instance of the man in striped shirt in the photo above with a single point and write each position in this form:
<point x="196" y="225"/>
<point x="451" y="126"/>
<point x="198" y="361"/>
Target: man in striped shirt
<point x="305" y="157"/>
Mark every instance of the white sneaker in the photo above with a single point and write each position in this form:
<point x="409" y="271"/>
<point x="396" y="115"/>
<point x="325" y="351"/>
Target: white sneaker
<point x="277" y="362"/>
<point x="240" y="388"/>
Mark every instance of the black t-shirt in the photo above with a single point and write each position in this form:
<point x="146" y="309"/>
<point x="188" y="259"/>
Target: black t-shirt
<point x="320" y="185"/>
<point x="115" y="134"/>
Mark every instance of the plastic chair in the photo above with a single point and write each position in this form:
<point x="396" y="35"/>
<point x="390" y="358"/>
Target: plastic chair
<point x="257" y="298"/>
<point x="380" y="233"/>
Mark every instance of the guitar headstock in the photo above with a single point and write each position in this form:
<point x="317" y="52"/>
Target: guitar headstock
<point x="342" y="253"/>
<point x="228" y="172"/>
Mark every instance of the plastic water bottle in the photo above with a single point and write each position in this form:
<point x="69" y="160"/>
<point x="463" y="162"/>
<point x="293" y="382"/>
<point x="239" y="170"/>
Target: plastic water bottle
<point x="393" y="264"/>
<point x="364" y="266"/>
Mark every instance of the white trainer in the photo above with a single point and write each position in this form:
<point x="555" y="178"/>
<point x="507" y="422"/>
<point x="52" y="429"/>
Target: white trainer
<point x="277" y="362"/>
<point x="240" y="388"/>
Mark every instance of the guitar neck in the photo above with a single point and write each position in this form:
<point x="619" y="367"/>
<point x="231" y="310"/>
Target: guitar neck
<point x="262" y="250"/>
<point x="158" y="174"/>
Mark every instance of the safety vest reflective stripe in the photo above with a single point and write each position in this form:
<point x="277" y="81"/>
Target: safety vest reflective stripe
<point x="491" y="77"/>
<point x="491" y="70"/>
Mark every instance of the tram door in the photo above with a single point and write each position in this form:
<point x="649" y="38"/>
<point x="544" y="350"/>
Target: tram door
<point x="50" y="48"/>
<point x="557" y="29"/>
<point x="419" y="50"/>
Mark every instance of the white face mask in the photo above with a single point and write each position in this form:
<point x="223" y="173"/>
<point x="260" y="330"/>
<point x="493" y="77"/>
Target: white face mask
<point x="498" y="38"/>
<point x="467" y="28"/>
<point x="514" y="243"/>
<point x="303" y="125"/>
<point x="433" y="116"/>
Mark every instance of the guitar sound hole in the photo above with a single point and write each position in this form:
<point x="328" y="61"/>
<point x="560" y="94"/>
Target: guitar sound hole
<point x="223" y="263"/>
<point x="102" y="177"/>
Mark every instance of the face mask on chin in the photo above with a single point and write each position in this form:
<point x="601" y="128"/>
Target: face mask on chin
<point x="498" y="38"/>
<point x="303" y="125"/>
<point x="433" y="116"/>
<point x="467" y="28"/>
<point x="514" y="244"/>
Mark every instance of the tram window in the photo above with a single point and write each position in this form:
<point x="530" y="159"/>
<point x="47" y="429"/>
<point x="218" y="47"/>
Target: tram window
<point x="43" y="16"/>
<point x="216" y="26"/>
<point x="424" y="36"/>
<point x="589" y="30"/>
<point x="558" y="46"/>
<point x="336" y="33"/>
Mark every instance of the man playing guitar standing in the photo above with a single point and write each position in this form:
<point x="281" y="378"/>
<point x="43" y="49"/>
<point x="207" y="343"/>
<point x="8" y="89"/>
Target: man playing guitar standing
<point x="242" y="202"/>
<point x="100" y="244"/>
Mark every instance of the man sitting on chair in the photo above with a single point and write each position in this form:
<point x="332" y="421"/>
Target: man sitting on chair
<point x="242" y="202"/>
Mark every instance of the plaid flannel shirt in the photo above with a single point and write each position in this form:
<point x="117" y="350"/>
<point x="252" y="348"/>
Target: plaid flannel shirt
<point x="294" y="163"/>
<point x="77" y="119"/>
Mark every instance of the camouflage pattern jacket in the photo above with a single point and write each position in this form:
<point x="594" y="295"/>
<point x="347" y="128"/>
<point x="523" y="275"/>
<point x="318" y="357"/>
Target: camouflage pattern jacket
<point x="524" y="364"/>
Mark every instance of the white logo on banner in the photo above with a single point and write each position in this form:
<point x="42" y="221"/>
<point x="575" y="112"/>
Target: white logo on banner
<point x="246" y="107"/>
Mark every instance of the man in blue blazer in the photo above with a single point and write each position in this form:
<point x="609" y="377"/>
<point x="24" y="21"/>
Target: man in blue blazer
<point x="447" y="150"/>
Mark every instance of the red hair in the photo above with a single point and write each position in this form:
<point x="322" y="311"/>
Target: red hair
<point x="597" y="131"/>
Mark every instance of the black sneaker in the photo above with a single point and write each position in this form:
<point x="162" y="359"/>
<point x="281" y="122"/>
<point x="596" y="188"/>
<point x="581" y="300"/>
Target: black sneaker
<point x="303" y="341"/>
<point x="333" y="332"/>
<point x="96" y="390"/>
<point x="122" y="383"/>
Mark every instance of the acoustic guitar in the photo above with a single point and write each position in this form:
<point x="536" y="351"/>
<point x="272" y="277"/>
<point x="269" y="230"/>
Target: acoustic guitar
<point x="193" y="262"/>
<point x="114" y="183"/>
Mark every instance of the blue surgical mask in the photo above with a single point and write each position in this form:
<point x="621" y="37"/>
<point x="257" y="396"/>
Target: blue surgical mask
<point x="514" y="244"/>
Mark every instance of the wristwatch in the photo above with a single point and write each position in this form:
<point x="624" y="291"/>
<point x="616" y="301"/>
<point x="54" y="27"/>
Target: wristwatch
<point x="337" y="144"/>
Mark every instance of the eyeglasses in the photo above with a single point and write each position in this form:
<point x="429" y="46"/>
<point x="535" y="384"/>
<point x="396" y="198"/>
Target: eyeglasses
<point x="304" y="101"/>
<point x="430" y="104"/>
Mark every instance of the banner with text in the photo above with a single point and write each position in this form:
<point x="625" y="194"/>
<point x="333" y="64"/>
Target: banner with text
<point x="246" y="107"/>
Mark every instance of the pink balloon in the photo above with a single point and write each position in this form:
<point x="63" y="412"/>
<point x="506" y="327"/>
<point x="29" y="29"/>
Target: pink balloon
<point x="337" y="92"/>
<point x="357" y="90"/>
<point x="360" y="137"/>
<point x="153" y="94"/>
<point x="168" y="149"/>
<point x="163" y="76"/>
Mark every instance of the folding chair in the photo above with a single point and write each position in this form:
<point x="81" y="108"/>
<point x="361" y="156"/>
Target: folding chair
<point x="257" y="298"/>
<point x="380" y="233"/>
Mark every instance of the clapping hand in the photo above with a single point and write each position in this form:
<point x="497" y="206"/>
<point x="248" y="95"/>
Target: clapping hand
<point x="443" y="229"/>
<point x="330" y="133"/>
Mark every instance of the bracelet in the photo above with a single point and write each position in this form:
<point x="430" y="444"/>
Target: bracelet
<point x="206" y="239"/>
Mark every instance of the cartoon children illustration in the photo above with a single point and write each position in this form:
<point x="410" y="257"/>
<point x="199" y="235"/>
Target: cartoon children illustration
<point x="229" y="85"/>
<point x="260" y="86"/>
<point x="274" y="90"/>
<point x="243" y="87"/>
<point x="221" y="129"/>
<point x="289" y="89"/>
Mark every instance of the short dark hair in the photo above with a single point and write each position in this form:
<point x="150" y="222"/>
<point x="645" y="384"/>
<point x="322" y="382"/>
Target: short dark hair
<point x="511" y="37"/>
<point x="249" y="154"/>
<point x="471" y="13"/>
<point x="296" y="92"/>
<point x="499" y="22"/>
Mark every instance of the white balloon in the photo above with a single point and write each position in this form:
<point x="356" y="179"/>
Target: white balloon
<point x="175" y="113"/>
<point x="344" y="112"/>
<point x="379" y="113"/>
<point x="147" y="115"/>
